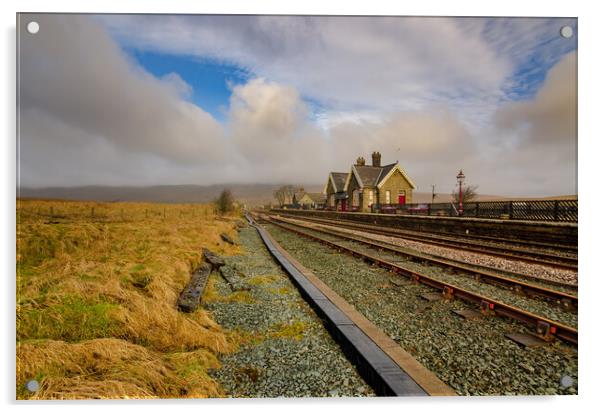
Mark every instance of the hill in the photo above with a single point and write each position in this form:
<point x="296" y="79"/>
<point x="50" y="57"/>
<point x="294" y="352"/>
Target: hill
<point x="249" y="194"/>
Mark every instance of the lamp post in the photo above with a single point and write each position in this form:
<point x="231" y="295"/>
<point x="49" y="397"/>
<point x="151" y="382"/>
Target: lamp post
<point x="460" y="177"/>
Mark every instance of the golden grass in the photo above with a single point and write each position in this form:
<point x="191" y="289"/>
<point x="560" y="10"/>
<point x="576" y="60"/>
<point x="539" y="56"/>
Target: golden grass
<point x="211" y="295"/>
<point x="97" y="285"/>
<point x="293" y="331"/>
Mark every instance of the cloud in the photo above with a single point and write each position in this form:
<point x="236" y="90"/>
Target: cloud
<point x="346" y="62"/>
<point x="551" y="117"/>
<point x="75" y="73"/>
<point x="177" y="84"/>
<point x="417" y="90"/>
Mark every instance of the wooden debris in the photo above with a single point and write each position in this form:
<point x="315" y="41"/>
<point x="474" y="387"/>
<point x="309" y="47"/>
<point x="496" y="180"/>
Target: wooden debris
<point x="190" y="298"/>
<point x="226" y="238"/>
<point x="215" y="260"/>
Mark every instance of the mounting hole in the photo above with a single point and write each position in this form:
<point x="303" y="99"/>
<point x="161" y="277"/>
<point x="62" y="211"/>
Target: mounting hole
<point x="33" y="27"/>
<point x="32" y="386"/>
<point x="566" y="32"/>
<point x="566" y="381"/>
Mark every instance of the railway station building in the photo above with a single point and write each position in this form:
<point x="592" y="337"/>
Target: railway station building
<point x="368" y="188"/>
<point x="336" y="197"/>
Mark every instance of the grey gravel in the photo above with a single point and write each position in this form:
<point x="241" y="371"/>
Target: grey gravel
<point x="271" y="364"/>
<point x="473" y="357"/>
<point x="516" y="266"/>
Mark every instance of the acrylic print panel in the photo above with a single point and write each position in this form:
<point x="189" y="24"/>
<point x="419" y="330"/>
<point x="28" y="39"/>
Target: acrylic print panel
<point x="299" y="206"/>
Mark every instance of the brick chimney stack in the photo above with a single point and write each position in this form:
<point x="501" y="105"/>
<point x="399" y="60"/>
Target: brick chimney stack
<point x="375" y="158"/>
<point x="360" y="161"/>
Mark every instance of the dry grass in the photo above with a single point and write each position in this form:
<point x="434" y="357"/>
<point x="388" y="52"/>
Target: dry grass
<point x="96" y="291"/>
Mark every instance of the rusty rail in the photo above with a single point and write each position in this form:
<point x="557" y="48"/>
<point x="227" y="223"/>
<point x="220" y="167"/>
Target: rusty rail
<point x="568" y="300"/>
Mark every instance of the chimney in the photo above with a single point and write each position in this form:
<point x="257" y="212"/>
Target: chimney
<point x="375" y="158"/>
<point x="360" y="161"/>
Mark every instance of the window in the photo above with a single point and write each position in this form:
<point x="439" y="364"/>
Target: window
<point x="387" y="197"/>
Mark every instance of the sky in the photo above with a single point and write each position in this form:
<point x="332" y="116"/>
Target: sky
<point x="182" y="99"/>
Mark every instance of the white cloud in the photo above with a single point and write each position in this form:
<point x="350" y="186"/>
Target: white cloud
<point x="76" y="74"/>
<point x="551" y="117"/>
<point x="417" y="90"/>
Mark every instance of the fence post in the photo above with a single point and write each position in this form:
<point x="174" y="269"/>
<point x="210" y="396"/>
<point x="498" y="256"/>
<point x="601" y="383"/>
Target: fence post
<point x="556" y="210"/>
<point x="428" y="210"/>
<point x="476" y="210"/>
<point x="510" y="211"/>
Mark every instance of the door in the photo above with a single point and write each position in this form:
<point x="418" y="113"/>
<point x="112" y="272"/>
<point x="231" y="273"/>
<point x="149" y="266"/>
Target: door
<point x="402" y="198"/>
<point x="343" y="205"/>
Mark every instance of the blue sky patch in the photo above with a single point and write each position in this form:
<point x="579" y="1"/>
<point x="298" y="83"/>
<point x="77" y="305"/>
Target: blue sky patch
<point x="211" y="81"/>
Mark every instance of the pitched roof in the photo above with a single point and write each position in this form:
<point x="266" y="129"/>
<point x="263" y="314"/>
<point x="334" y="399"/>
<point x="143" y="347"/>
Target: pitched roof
<point x="367" y="175"/>
<point x="317" y="197"/>
<point x="388" y="170"/>
<point x="370" y="176"/>
<point x="385" y="171"/>
<point x="338" y="180"/>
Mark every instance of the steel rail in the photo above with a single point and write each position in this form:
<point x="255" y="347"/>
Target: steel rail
<point x="488" y="305"/>
<point x="568" y="300"/>
<point x="532" y="257"/>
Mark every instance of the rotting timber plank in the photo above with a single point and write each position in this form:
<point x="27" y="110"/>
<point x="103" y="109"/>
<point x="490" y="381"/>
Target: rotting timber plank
<point x="190" y="298"/>
<point x="395" y="371"/>
<point x="213" y="259"/>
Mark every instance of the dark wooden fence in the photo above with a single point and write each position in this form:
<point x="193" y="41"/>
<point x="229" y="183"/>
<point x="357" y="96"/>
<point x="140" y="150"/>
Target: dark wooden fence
<point x="562" y="210"/>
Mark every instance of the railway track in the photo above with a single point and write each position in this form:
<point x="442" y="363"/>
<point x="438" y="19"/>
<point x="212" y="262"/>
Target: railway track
<point x="530" y="256"/>
<point x="545" y="328"/>
<point x="481" y="273"/>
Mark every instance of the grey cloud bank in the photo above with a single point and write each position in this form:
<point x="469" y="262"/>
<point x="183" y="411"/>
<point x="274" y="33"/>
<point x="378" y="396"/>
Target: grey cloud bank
<point x="88" y="115"/>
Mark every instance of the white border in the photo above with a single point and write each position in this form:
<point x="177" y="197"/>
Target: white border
<point x="590" y="209"/>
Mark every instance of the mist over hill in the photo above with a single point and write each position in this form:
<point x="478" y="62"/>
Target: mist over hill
<point x="249" y="194"/>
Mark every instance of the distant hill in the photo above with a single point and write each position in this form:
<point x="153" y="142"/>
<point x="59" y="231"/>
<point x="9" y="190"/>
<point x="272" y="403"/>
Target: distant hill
<point x="249" y="194"/>
<point x="252" y="194"/>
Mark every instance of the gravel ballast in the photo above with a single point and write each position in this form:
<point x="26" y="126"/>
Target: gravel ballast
<point x="473" y="357"/>
<point x="516" y="266"/>
<point x="285" y="350"/>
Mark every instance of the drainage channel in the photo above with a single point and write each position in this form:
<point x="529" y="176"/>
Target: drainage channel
<point x="381" y="362"/>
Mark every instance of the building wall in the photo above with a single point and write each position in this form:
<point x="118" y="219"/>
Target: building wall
<point x="366" y="199"/>
<point x="306" y="200"/>
<point x="395" y="183"/>
<point x="353" y="186"/>
<point x="330" y="201"/>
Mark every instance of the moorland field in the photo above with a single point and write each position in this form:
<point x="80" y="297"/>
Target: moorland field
<point x="97" y="285"/>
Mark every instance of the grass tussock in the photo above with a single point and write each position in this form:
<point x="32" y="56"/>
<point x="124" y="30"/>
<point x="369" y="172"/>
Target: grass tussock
<point x="293" y="331"/>
<point x="97" y="285"/>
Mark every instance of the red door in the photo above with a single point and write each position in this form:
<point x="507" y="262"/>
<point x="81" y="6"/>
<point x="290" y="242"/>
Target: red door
<point x="402" y="199"/>
<point x="343" y="205"/>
